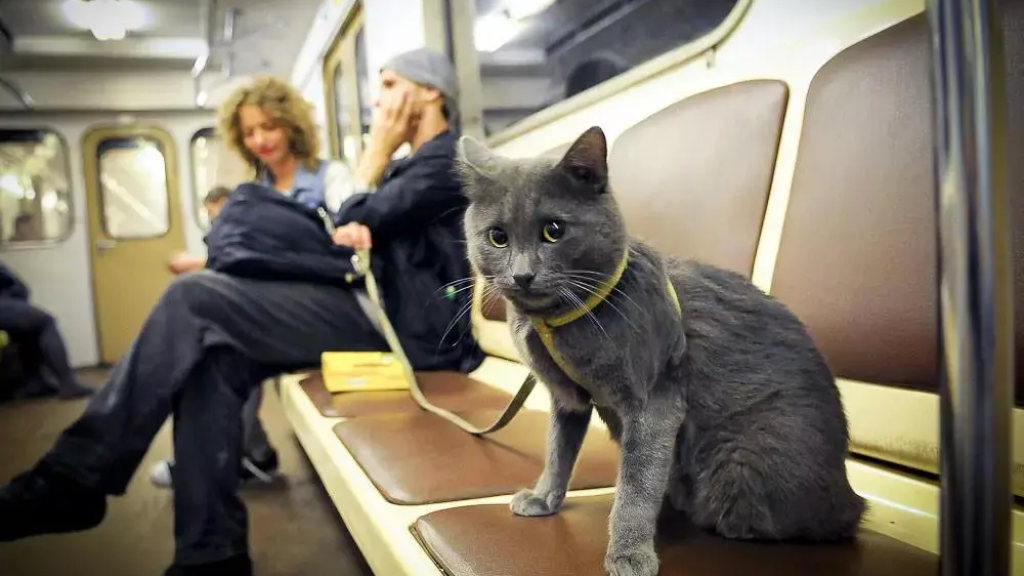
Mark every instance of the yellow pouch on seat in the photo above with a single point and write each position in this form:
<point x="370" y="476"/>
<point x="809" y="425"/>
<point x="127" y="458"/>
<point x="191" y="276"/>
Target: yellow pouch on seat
<point x="362" y="371"/>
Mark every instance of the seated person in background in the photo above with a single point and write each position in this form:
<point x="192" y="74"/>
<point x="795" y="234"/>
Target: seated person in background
<point x="183" y="262"/>
<point x="259" y="459"/>
<point x="274" y="296"/>
<point x="41" y="349"/>
<point x="26" y="229"/>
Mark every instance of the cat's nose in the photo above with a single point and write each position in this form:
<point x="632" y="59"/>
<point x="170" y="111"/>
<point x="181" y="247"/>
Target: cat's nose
<point x="524" y="279"/>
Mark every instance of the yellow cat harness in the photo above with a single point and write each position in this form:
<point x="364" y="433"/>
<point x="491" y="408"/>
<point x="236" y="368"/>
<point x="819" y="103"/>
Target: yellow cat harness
<point x="545" y="327"/>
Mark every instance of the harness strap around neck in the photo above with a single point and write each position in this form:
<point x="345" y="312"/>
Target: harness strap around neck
<point x="545" y="327"/>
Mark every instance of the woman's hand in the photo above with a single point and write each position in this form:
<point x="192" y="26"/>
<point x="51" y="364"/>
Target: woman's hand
<point x="353" y="235"/>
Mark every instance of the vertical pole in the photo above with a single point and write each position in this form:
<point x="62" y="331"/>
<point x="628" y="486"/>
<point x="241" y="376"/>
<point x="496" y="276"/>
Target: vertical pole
<point x="975" y="288"/>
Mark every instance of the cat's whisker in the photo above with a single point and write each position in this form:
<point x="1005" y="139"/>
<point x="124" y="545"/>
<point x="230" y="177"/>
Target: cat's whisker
<point x="614" y="290"/>
<point x="604" y="281"/>
<point x="462" y="312"/>
<point x="590" y="314"/>
<point x="609" y="302"/>
<point x="459" y="282"/>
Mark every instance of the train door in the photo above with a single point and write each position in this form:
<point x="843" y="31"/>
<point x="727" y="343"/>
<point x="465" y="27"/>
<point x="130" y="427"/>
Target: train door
<point x="135" y="224"/>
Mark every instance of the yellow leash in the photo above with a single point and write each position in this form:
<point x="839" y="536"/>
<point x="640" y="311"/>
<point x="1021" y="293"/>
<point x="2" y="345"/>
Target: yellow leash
<point x="361" y="264"/>
<point x="545" y="327"/>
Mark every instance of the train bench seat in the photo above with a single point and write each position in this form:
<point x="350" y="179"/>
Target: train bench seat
<point x="422" y="497"/>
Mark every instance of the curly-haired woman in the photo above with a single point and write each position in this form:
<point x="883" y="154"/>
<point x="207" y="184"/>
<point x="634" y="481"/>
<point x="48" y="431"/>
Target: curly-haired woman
<point x="271" y="127"/>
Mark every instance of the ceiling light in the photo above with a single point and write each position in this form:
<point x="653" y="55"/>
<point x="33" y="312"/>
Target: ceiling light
<point x="520" y="9"/>
<point x="107" y="19"/>
<point x="494" y="31"/>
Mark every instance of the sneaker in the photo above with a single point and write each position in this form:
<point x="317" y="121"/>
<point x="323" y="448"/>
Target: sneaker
<point x="240" y="565"/>
<point x="43" y="501"/>
<point x="264" y="471"/>
<point x="160" y="474"/>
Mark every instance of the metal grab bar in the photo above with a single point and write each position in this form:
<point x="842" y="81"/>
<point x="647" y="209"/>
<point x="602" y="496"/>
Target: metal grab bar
<point x="975" y="288"/>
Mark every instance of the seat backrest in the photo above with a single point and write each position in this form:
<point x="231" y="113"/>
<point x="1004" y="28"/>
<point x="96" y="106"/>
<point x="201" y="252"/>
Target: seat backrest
<point x="857" y="260"/>
<point x="857" y="256"/>
<point x="693" y="179"/>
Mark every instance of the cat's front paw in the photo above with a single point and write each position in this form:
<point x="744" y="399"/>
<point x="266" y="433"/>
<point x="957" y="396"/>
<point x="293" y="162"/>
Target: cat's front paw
<point x="529" y="503"/>
<point x="641" y="561"/>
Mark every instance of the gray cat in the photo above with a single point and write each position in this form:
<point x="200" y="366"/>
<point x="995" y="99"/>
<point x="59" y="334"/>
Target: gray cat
<point x="714" y="391"/>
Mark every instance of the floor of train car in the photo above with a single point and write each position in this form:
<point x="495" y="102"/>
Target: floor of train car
<point x="294" y="528"/>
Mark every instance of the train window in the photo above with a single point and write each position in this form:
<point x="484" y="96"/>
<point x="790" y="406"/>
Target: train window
<point x="341" y="110"/>
<point x="213" y="165"/>
<point x="35" y="187"/>
<point x="537" y="53"/>
<point x="365" y="87"/>
<point x="347" y="98"/>
<point x="133" y="187"/>
<point x="205" y="157"/>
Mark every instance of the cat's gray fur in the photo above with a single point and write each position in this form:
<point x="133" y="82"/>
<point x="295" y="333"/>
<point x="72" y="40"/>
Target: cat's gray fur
<point x="729" y="411"/>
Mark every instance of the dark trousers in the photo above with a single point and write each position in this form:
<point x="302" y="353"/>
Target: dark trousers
<point x="41" y="348"/>
<point x="208" y="342"/>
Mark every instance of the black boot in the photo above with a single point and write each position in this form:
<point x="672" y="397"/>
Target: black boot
<point x="43" y="501"/>
<point x="74" y="391"/>
<point x="239" y="565"/>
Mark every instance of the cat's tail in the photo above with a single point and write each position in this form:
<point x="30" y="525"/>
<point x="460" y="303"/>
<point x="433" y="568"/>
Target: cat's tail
<point x="847" y="512"/>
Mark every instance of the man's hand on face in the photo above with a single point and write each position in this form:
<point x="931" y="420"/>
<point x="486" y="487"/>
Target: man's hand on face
<point x="393" y="124"/>
<point x="353" y="235"/>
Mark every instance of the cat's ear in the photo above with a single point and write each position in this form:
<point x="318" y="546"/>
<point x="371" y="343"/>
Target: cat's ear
<point x="474" y="154"/>
<point x="586" y="161"/>
<point x="473" y="160"/>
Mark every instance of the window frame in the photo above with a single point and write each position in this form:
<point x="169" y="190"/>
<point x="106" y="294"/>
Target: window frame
<point x="97" y="154"/>
<point x="197" y="200"/>
<point x="72" y="221"/>
<point x="703" y="46"/>
<point x="341" y="59"/>
<point x="92" y="138"/>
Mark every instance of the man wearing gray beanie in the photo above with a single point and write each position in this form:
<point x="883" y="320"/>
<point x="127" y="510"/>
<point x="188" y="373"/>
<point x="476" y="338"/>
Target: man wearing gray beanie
<point x="418" y="100"/>
<point x="410" y="211"/>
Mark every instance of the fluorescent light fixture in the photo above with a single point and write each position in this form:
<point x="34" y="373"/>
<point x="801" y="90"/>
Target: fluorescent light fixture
<point x="201" y="98"/>
<point x="107" y="19"/>
<point x="519" y="9"/>
<point x="200" y="64"/>
<point x="495" y="30"/>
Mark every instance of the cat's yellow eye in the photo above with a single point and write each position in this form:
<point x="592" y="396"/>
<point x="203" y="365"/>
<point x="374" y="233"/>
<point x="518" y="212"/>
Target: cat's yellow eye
<point x="553" y="231"/>
<point x="498" y="237"/>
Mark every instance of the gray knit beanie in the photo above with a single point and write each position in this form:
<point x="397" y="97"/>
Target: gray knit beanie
<point x="430" y="68"/>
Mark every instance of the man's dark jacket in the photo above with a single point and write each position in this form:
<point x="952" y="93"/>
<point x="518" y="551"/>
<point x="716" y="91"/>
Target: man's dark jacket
<point x="415" y="220"/>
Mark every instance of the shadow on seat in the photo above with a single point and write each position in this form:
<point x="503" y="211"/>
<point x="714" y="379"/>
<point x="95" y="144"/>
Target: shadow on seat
<point x="420" y="458"/>
<point x="489" y="539"/>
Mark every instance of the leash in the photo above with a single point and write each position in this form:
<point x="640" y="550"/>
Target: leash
<point x="361" y="264"/>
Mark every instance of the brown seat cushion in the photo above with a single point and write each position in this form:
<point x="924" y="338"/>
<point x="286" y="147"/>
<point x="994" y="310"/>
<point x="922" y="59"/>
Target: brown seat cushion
<point x="420" y="458"/>
<point x="489" y="539"/>
<point x="452" y="391"/>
